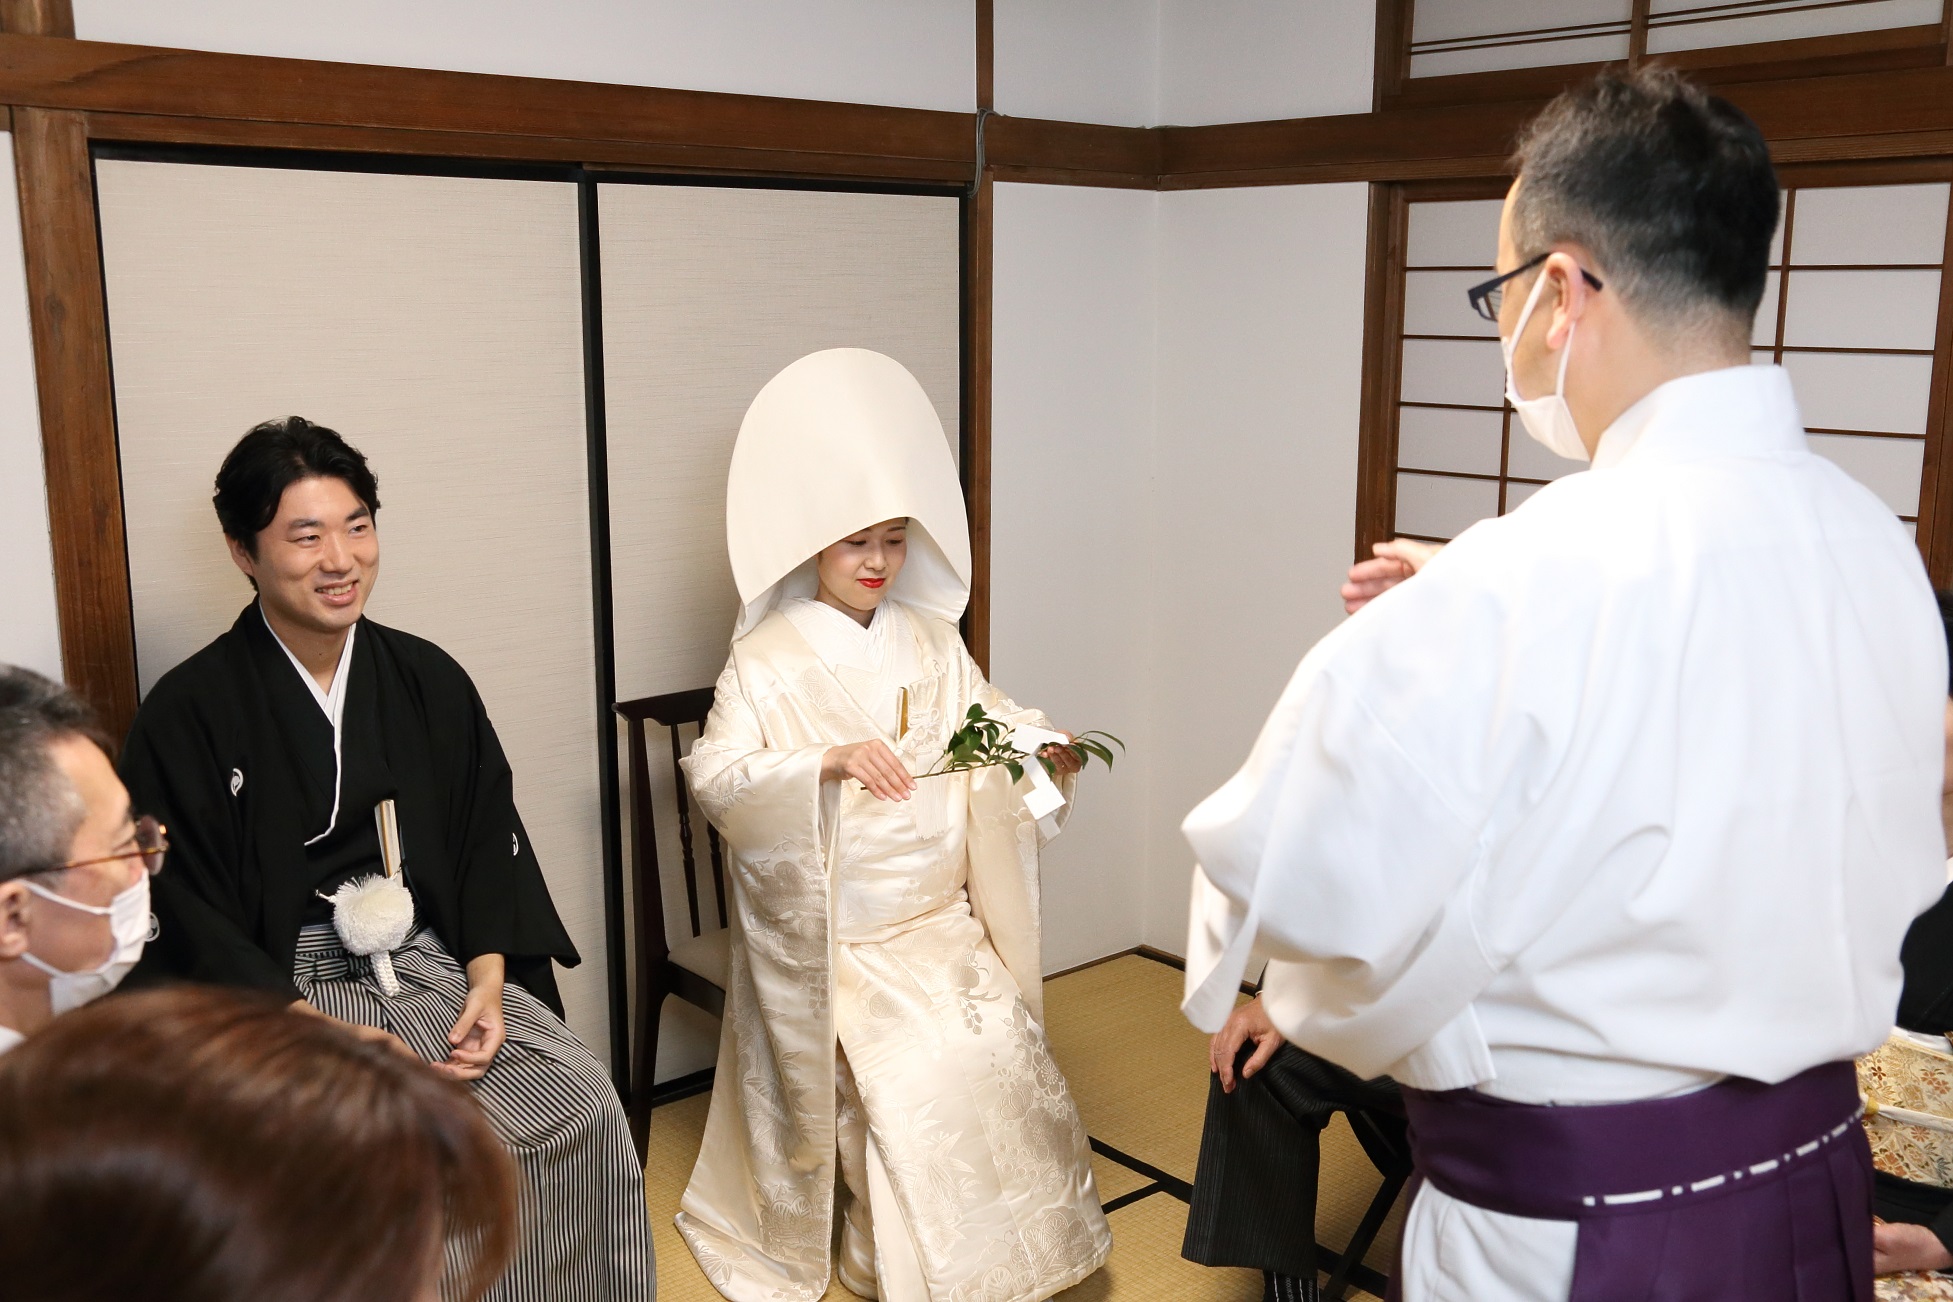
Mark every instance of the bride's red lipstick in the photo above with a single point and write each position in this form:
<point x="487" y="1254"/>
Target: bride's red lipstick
<point x="871" y="583"/>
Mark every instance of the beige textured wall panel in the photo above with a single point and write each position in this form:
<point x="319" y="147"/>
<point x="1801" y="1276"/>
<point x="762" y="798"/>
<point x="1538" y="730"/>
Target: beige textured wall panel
<point x="436" y="323"/>
<point x="708" y="292"/>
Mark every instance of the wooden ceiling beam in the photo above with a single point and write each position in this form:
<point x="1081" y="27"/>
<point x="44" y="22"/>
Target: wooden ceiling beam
<point x="99" y="77"/>
<point x="138" y="92"/>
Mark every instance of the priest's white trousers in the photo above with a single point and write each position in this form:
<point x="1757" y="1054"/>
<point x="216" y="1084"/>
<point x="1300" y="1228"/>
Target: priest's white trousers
<point x="1454" y="1252"/>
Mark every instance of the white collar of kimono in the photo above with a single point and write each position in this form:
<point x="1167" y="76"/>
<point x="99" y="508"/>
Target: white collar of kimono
<point x="1736" y="411"/>
<point x="836" y="638"/>
<point x="332" y="702"/>
<point x="838" y="441"/>
<point x="9" y="1037"/>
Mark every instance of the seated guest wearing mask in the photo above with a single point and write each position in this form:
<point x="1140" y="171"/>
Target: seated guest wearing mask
<point x="309" y="752"/>
<point x="75" y="860"/>
<point x="1254" y="1193"/>
<point x="1916" y="1232"/>
<point x="204" y="1145"/>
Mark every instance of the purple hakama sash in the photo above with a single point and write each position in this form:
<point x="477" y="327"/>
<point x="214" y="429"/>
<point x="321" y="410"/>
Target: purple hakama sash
<point x="1741" y="1192"/>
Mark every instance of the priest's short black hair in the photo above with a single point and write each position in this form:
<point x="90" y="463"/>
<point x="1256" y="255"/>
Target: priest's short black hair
<point x="274" y="456"/>
<point x="40" y="810"/>
<point x="1669" y="187"/>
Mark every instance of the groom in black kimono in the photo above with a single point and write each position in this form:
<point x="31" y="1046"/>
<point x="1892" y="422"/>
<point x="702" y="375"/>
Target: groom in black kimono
<point x="267" y="754"/>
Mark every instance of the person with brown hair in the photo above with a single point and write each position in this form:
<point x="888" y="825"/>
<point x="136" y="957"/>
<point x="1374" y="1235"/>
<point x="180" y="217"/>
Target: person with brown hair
<point x="204" y="1144"/>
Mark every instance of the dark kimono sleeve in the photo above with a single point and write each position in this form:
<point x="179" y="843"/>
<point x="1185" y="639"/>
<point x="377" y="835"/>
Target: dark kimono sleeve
<point x="201" y="903"/>
<point x="505" y="904"/>
<point x="1926" y="1002"/>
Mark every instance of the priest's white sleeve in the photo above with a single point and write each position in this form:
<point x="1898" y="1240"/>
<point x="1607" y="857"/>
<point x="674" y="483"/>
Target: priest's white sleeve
<point x="1357" y="848"/>
<point x="1334" y="856"/>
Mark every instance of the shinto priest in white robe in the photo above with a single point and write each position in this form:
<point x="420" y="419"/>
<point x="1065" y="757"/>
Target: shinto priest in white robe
<point x="884" y="1002"/>
<point x="1628" y="791"/>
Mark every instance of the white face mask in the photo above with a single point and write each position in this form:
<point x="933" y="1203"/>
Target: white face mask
<point x="1548" y="419"/>
<point x="132" y="925"/>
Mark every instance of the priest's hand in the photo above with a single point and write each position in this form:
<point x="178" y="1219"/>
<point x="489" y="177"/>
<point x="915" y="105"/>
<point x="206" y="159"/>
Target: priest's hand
<point x="1394" y="562"/>
<point x="1897" y="1246"/>
<point x="1063" y="758"/>
<point x="873" y="765"/>
<point x="369" y="1034"/>
<point x="1248" y="1022"/>
<point x="479" y="1032"/>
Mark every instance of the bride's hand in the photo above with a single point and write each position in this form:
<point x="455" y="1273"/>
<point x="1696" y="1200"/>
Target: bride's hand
<point x="1063" y="758"/>
<point x="873" y="765"/>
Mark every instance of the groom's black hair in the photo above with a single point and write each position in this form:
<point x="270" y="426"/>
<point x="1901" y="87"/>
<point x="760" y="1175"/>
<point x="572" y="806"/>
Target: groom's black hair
<point x="274" y="456"/>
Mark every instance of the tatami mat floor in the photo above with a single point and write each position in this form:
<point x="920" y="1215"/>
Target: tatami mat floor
<point x="1139" y="1073"/>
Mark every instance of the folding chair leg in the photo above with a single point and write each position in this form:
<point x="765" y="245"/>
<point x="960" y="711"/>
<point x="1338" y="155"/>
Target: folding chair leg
<point x="1366" y="1233"/>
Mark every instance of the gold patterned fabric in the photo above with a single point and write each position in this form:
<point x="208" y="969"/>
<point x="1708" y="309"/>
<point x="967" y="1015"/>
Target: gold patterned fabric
<point x="883" y="1009"/>
<point x="1905" y="1073"/>
<point x="1914" y="1286"/>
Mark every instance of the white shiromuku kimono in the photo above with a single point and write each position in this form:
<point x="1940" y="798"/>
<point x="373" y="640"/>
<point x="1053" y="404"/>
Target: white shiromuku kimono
<point x="883" y="1004"/>
<point x="905" y="935"/>
<point x="1628" y="791"/>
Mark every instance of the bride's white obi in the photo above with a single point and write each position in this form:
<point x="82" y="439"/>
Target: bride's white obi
<point x="905" y="934"/>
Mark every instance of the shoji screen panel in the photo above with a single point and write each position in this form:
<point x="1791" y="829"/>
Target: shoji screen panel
<point x="1464" y="36"/>
<point x="1452" y="36"/>
<point x="707" y="293"/>
<point x="1851" y="310"/>
<point x="1704" y="24"/>
<point x="1461" y="456"/>
<point x="1855" y="321"/>
<point x="436" y="323"/>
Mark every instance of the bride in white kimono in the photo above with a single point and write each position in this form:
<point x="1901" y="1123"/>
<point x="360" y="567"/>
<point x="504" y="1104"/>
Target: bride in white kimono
<point x="883" y="1009"/>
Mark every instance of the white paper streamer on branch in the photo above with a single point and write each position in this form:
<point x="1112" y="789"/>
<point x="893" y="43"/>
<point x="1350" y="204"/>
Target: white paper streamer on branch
<point x="1043" y="799"/>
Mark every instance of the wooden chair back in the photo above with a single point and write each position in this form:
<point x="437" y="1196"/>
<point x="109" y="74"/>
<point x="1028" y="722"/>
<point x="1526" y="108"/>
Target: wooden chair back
<point x="682" y="716"/>
<point x="675" y="712"/>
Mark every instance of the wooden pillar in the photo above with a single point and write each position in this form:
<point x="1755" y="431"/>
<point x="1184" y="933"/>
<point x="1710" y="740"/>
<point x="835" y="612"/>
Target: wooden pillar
<point x="978" y="253"/>
<point x="71" y="363"/>
<point x="38" y="17"/>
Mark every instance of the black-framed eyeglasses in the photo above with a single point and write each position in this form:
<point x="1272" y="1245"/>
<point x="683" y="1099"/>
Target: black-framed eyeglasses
<point x="152" y="843"/>
<point x="1485" y="298"/>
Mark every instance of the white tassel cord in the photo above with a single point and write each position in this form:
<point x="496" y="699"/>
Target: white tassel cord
<point x="374" y="916"/>
<point x="383" y="972"/>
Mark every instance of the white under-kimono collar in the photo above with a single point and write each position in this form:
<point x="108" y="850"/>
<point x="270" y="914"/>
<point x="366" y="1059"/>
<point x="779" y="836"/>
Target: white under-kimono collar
<point x="333" y="702"/>
<point x="1735" y="411"/>
<point x="837" y="638"/>
<point x="875" y="664"/>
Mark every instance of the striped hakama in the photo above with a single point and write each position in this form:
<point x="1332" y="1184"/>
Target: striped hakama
<point x="585" y="1233"/>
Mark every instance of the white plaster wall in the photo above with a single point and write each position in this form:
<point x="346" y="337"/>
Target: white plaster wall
<point x="1248" y="60"/>
<point x="1073" y="432"/>
<point x="1186" y="62"/>
<point x="29" y="632"/>
<point x="1079" y="60"/>
<point x="1254" y="508"/>
<point x="909" y="53"/>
